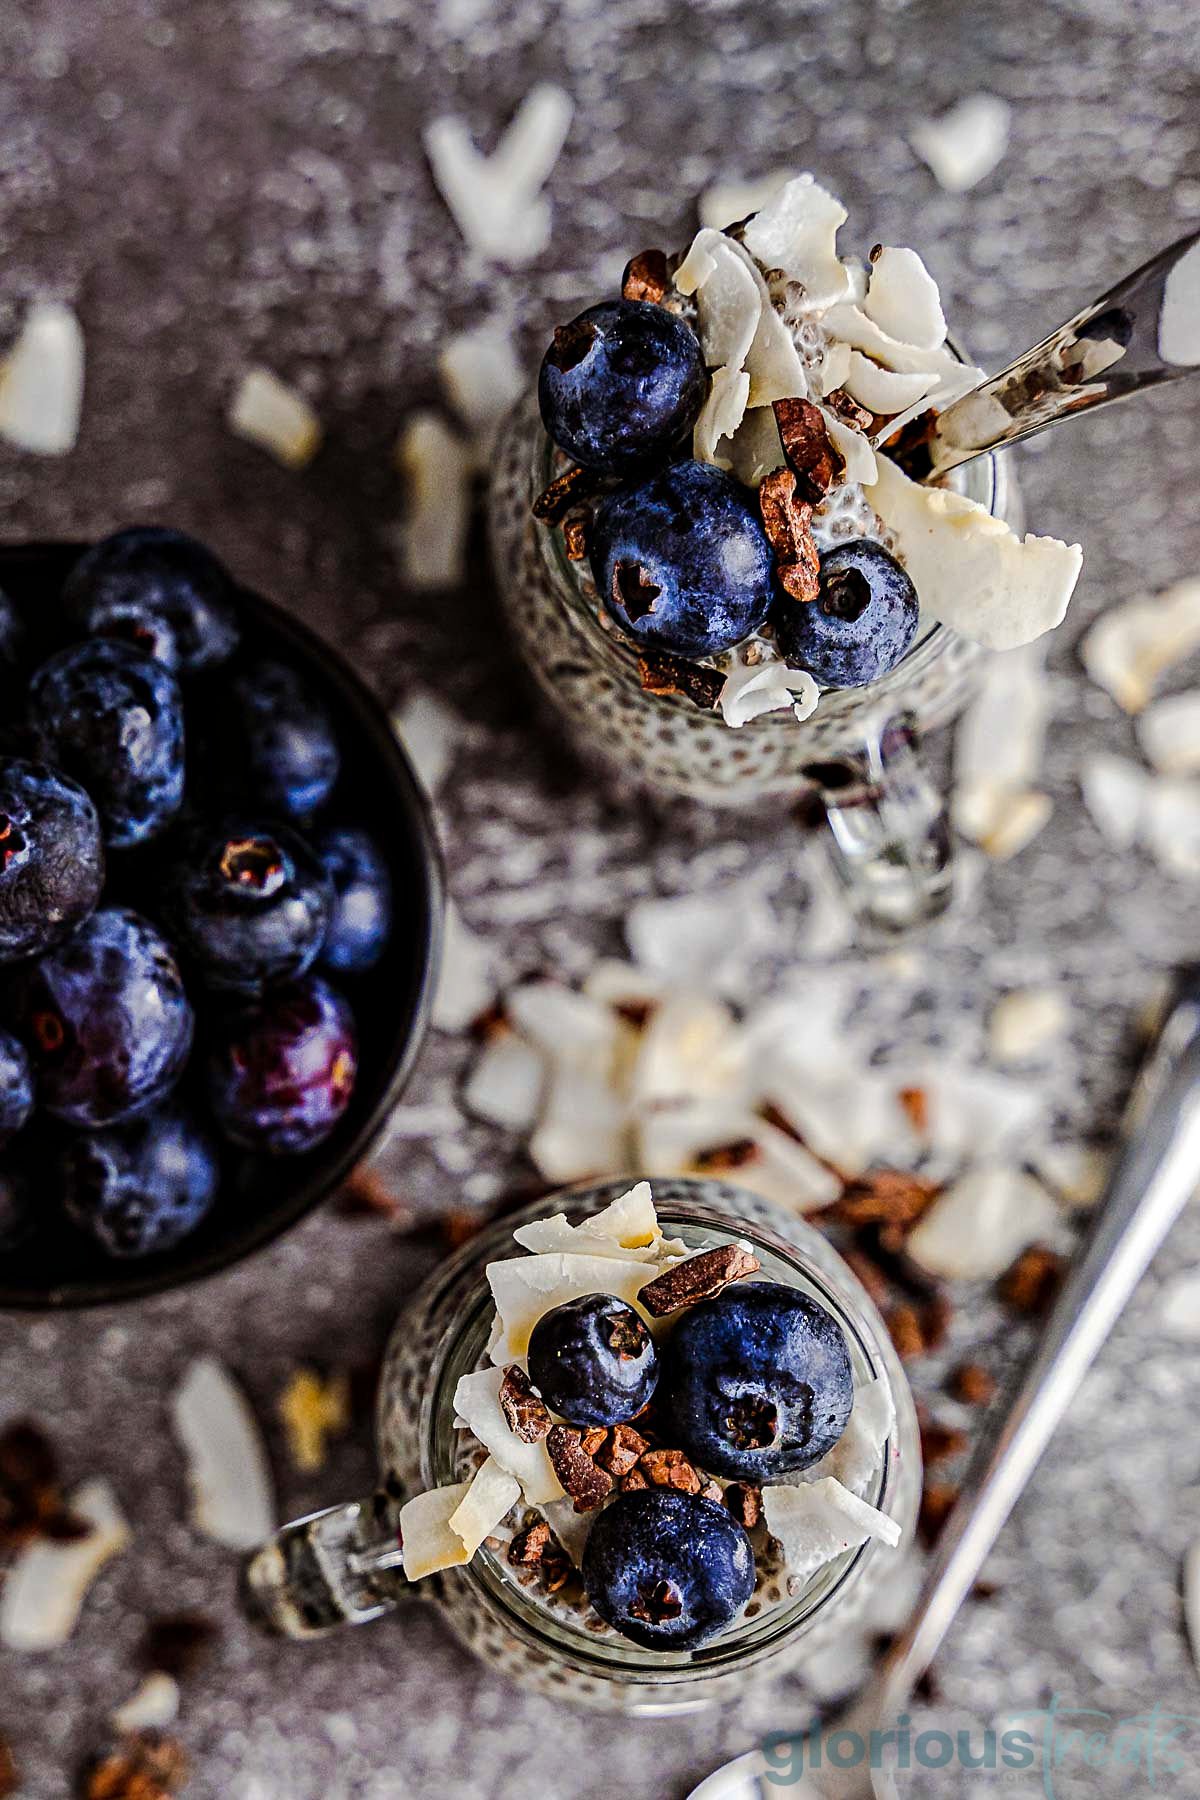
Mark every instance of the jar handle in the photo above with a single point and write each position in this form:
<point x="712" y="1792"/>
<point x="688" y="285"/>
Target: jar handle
<point x="341" y="1566"/>
<point x="888" y="836"/>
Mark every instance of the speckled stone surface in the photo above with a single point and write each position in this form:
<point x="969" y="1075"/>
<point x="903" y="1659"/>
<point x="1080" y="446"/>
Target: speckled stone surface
<point x="218" y="181"/>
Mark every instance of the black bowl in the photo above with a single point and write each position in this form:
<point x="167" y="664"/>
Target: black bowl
<point x="263" y="1196"/>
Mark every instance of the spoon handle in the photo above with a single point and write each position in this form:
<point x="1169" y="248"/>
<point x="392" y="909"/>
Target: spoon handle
<point x="1144" y="331"/>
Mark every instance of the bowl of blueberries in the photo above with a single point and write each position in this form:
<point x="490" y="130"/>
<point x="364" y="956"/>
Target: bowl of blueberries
<point x="221" y="906"/>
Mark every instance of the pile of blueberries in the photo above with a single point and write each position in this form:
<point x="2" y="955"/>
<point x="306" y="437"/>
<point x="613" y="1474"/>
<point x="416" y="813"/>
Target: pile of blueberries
<point x="752" y="1384"/>
<point x="678" y="549"/>
<point x="174" y="897"/>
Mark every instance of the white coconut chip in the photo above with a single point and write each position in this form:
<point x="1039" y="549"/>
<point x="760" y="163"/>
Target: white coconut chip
<point x="497" y="200"/>
<point x="854" y="1459"/>
<point x="1171" y="826"/>
<point x="437" y="468"/>
<point x="482" y="379"/>
<point x="728" y="202"/>
<point x="769" y="685"/>
<point x="425" y="1535"/>
<point x="477" y="1404"/>
<point x="466" y="985"/>
<point x="572" y="1529"/>
<point x="152" y="1706"/>
<point x="491" y="1496"/>
<point x="564" y="1024"/>
<point x="690" y="1050"/>
<point x="680" y="1140"/>
<point x="507" y="1082"/>
<point x="773" y="360"/>
<point x="1191" y="1599"/>
<point x="431" y="733"/>
<point x="582" y="1129"/>
<point x="975" y="1230"/>
<point x="1179" y="317"/>
<point x="685" y="938"/>
<point x="784" y="1171"/>
<point x="1169" y="734"/>
<point x="526" y="1287"/>
<point x="233" y="1495"/>
<point x="721" y="414"/>
<point x="1026" y="1022"/>
<point x="728" y="298"/>
<point x="627" y="1228"/>
<point x="41" y="381"/>
<point x="1132" y="645"/>
<point x="1115" y="793"/>
<point x="1012" y="823"/>
<point x="849" y="1118"/>
<point x="974" y="1113"/>
<point x="46" y="1584"/>
<point x="971" y="571"/>
<point x="267" y="412"/>
<point x="820" y="1520"/>
<point x="849" y="323"/>
<point x="755" y="448"/>
<point x="1178" y="1309"/>
<point x="1077" y="1173"/>
<point x="834" y="370"/>
<point x="999" y="743"/>
<point x="796" y="231"/>
<point x="964" y="145"/>
<point x="883" y="390"/>
<point x="853" y="448"/>
<point x="902" y="298"/>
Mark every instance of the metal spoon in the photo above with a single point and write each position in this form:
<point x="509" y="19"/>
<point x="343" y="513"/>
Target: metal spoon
<point x="1156" y="1173"/>
<point x="1144" y="331"/>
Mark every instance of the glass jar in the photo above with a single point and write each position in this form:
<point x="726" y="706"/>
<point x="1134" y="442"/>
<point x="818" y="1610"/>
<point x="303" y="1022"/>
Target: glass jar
<point x="343" y="1565"/>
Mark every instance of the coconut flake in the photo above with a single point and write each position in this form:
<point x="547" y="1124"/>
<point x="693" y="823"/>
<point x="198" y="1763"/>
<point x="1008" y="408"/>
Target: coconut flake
<point x="1026" y="1022"/>
<point x="848" y="322"/>
<point x="820" y="1520"/>
<point x="564" y="1024"/>
<point x="466" y="984"/>
<point x="998" y="747"/>
<point x="964" y="145"/>
<point x="982" y="1222"/>
<point x="1132" y="645"/>
<point x="1171" y="825"/>
<point x="691" y="1048"/>
<point x="425" y="1535"/>
<point x="1012" y="822"/>
<point x="506" y="1085"/>
<point x="855" y="1458"/>
<point x="1178" y="1310"/>
<point x="755" y="448"/>
<point x="971" y="571"/>
<point x="45" y="1586"/>
<point x="853" y="448"/>
<point x="583" y="1128"/>
<point x="1115" y="793"/>
<point x="796" y="231"/>
<point x="1178" y="331"/>
<point x="431" y="733"/>
<point x="152" y="1706"/>
<point x="728" y="202"/>
<point x="728" y="298"/>
<point x="267" y="412"/>
<point x="974" y="1113"/>
<point x="572" y="1529"/>
<point x="770" y="685"/>
<point x="492" y="1494"/>
<point x="1169" y="734"/>
<point x="233" y="1496"/>
<point x="721" y="414"/>
<point x="883" y="390"/>
<point x="1077" y="1173"/>
<point x="686" y="941"/>
<point x="477" y="1404"/>
<point x="483" y="379"/>
<point x="41" y="381"/>
<point x="437" y="468"/>
<point x="526" y="1287"/>
<point x="496" y="200"/>
<point x="902" y="298"/>
<point x="628" y="1229"/>
<point x="848" y="1119"/>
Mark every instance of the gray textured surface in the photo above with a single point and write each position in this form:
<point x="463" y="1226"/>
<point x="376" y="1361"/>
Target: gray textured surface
<point x="218" y="180"/>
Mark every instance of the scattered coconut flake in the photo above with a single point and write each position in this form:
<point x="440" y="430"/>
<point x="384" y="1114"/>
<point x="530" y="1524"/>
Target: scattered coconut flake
<point x="999" y="743"/>
<point x="1191" y="1599"/>
<point x="850" y="1118"/>
<point x="497" y="200"/>
<point x="1077" y="1173"/>
<point x="45" y="1586"/>
<point x="752" y="689"/>
<point x="628" y="1227"/>
<point x="964" y="145"/>
<point x="728" y="202"/>
<point x="466" y="984"/>
<point x="902" y="298"/>
<point x="1171" y="825"/>
<point x="690" y="1140"/>
<point x="1025" y="1022"/>
<point x="834" y="371"/>
<point x="152" y="1706"/>
<point x="582" y="1130"/>
<point x="477" y="1404"/>
<point x="784" y="1171"/>
<point x="1132" y="645"/>
<point x="796" y="231"/>
<point x="425" y="1535"/>
<point x="233" y="1497"/>
<point x="492" y="1494"/>
<point x="974" y="1112"/>
<point x="755" y="448"/>
<point x="848" y="322"/>
<point x="1169" y="734"/>
<point x="313" y="1410"/>
<point x="691" y="1049"/>
<point x="431" y="733"/>
<point x="41" y="381"/>
<point x="437" y="467"/>
<point x="482" y="378"/>
<point x="685" y="939"/>
<point x="728" y="298"/>
<point x="267" y="412"/>
<point x="564" y="1024"/>
<point x="854" y="1459"/>
<point x="1013" y="822"/>
<point x="971" y="571"/>
<point x="883" y="390"/>
<point x="721" y="414"/>
<point x="619" y="984"/>
<point x="1179" y="1306"/>
<point x="506" y="1085"/>
<point x="982" y="1222"/>
<point x="818" y="1521"/>
<point x="526" y="1287"/>
<point x="1115" y="792"/>
<point x="853" y="448"/>
<point x="1178" y="334"/>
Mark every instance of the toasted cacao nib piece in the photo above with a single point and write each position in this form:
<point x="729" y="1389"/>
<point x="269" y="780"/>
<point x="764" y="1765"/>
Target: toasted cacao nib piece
<point x="811" y="456"/>
<point x="10" y="1781"/>
<point x="586" y="1485"/>
<point x="565" y="491"/>
<point x="884" y="1244"/>
<point x="913" y="1328"/>
<point x="178" y="1644"/>
<point x="646" y="277"/>
<point x="31" y="1499"/>
<point x="909" y="449"/>
<point x="846" y="408"/>
<point x="593" y="1439"/>
<point x="941" y="1443"/>
<point x="914" y="1102"/>
<point x="529" y="1546"/>
<point x="884" y="1197"/>
<point x="662" y="673"/>
<point x="144" y="1765"/>
<point x="365" y="1195"/>
<point x="575" y="535"/>
<point x="972" y="1384"/>
<point x="1031" y="1285"/>
<point x="787" y="522"/>
<point x="725" y="1157"/>
<point x="670" y="1468"/>
<point x="527" y="1415"/>
<point x="698" y="1278"/>
<point x="620" y="1451"/>
<point x="744" y="1501"/>
<point x="936" y="1504"/>
<point x="634" y="1480"/>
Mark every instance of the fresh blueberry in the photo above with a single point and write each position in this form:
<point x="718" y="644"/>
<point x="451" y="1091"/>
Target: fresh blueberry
<point x="161" y="591"/>
<point x="860" y="625"/>
<point x="248" y="903"/>
<point x="105" y="1019"/>
<point x="682" y="560"/>
<point x="282" y="1068"/>
<point x="113" y="718"/>
<point x="276" y="740"/>
<point x="141" y="1187"/>
<point x="362" y="899"/>
<point x="621" y="385"/>
<point x="756" y="1382"/>
<point x="593" y="1360"/>
<point x="16" y="1208"/>
<point x="51" y="857"/>
<point x="16" y="1087"/>
<point x="667" y="1570"/>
